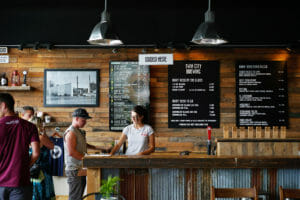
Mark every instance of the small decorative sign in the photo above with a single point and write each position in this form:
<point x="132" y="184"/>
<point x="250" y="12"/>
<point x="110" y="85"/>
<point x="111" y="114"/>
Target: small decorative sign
<point x="4" y="59"/>
<point x="156" y="59"/>
<point x="3" y="50"/>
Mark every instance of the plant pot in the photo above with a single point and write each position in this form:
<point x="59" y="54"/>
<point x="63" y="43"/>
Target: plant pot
<point x="110" y="198"/>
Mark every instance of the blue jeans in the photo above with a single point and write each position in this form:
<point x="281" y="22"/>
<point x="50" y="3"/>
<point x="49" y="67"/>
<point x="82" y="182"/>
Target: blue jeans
<point x="15" y="193"/>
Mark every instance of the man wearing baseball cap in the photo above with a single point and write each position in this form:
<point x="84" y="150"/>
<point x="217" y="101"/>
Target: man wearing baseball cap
<point x="75" y="147"/>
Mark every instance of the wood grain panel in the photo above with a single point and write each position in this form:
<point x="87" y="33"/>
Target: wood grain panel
<point x="36" y="61"/>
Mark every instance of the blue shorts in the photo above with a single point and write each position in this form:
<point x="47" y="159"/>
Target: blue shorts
<point x="15" y="193"/>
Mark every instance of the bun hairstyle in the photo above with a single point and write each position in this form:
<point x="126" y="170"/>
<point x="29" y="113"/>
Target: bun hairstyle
<point x="25" y="108"/>
<point x="141" y="111"/>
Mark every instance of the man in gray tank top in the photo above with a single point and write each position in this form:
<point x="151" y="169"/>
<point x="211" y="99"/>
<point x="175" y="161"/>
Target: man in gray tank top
<point x="75" y="147"/>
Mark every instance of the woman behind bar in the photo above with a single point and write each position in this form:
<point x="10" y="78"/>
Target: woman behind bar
<point x="140" y="136"/>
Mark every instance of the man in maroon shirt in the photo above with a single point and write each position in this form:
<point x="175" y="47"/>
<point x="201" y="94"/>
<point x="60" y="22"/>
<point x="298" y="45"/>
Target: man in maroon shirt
<point x="16" y="135"/>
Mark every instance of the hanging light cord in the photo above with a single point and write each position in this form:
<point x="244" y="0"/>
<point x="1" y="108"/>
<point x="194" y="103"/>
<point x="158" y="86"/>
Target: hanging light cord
<point x="105" y="6"/>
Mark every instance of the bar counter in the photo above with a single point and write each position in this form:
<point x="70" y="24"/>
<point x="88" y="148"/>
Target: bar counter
<point x="190" y="177"/>
<point x="191" y="161"/>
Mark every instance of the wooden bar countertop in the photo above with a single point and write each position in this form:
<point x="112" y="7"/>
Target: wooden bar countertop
<point x="191" y="161"/>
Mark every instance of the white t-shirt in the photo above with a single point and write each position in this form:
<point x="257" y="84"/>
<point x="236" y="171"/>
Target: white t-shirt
<point x="137" y="138"/>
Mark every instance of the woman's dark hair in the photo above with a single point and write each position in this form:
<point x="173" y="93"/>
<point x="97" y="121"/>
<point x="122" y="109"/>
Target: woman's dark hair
<point x="141" y="111"/>
<point x="8" y="100"/>
<point x="28" y="108"/>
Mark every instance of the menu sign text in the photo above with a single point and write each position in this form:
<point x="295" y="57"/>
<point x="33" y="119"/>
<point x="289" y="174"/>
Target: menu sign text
<point x="193" y="94"/>
<point x="128" y="87"/>
<point x="261" y="93"/>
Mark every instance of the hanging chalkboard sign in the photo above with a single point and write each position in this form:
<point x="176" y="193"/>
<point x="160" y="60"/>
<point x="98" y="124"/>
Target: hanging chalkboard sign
<point x="194" y="94"/>
<point x="128" y="87"/>
<point x="261" y="93"/>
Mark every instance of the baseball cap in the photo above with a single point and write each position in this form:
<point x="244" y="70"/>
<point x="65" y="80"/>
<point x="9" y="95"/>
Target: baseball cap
<point x="81" y="112"/>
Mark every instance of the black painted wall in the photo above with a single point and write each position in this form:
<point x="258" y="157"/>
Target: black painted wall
<point x="148" y="22"/>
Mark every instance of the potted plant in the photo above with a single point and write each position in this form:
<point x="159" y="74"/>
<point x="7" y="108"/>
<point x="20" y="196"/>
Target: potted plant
<point x="108" y="188"/>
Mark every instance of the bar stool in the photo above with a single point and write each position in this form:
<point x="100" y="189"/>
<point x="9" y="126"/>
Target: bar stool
<point x="233" y="193"/>
<point x="289" y="193"/>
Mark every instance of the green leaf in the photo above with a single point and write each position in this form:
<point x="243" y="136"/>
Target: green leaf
<point x="109" y="186"/>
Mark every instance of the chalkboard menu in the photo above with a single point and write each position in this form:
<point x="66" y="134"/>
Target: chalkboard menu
<point x="128" y="87"/>
<point x="261" y="93"/>
<point x="194" y="94"/>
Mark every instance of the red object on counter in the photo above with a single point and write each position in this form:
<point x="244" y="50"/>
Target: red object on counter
<point x="209" y="132"/>
<point x="15" y="78"/>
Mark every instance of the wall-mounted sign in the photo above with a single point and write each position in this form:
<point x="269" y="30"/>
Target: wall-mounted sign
<point x="194" y="94"/>
<point x="71" y="87"/>
<point x="261" y="93"/>
<point x="156" y="59"/>
<point x="128" y="87"/>
<point x="3" y="50"/>
<point x="4" y="59"/>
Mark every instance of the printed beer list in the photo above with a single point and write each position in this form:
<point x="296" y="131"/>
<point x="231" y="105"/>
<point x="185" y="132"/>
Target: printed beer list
<point x="261" y="92"/>
<point x="193" y="94"/>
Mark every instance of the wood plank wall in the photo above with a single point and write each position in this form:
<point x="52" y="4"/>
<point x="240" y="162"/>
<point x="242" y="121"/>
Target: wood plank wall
<point x="167" y="139"/>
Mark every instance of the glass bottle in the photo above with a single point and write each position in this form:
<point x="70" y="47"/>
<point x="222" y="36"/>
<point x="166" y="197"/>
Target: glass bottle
<point x="15" y="78"/>
<point x="4" y="79"/>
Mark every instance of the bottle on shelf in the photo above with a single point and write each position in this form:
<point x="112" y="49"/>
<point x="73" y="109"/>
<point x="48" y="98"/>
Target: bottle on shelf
<point x="15" y="78"/>
<point x="4" y="79"/>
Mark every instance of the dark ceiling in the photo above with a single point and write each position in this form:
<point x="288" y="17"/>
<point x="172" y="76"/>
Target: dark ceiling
<point x="139" y="22"/>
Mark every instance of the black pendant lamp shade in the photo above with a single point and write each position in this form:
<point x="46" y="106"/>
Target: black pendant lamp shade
<point x="103" y="33"/>
<point x="206" y="33"/>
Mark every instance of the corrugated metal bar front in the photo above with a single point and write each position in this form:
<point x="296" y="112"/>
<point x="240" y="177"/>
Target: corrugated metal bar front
<point x="265" y="182"/>
<point x="105" y="172"/>
<point x="167" y="184"/>
<point x="288" y="178"/>
<point x="231" y="178"/>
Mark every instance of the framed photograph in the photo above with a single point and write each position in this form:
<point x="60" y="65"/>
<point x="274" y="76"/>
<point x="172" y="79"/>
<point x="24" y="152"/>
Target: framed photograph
<point x="71" y="87"/>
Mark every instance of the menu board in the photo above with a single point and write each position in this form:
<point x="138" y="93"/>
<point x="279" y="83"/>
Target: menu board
<point x="128" y="87"/>
<point x="194" y="94"/>
<point x="261" y="93"/>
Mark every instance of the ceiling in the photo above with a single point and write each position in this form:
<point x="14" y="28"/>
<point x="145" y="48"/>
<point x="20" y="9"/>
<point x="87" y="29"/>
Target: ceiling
<point x="140" y="22"/>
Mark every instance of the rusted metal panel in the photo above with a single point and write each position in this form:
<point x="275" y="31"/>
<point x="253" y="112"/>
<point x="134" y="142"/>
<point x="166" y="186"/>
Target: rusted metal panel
<point x="272" y="183"/>
<point x="135" y="184"/>
<point x="167" y="184"/>
<point x="141" y="184"/>
<point x="194" y="184"/>
<point x="127" y="186"/>
<point x="204" y="184"/>
<point x="191" y="188"/>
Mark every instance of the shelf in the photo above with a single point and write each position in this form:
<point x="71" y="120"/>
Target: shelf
<point x="15" y="88"/>
<point x="57" y="124"/>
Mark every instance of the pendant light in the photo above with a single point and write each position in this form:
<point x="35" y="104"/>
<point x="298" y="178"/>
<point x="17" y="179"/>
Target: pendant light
<point x="206" y="33"/>
<point x="102" y="33"/>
